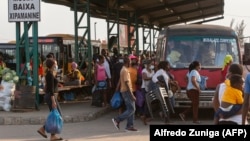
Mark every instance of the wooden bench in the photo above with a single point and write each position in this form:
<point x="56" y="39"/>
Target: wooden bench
<point x="77" y="89"/>
<point x="65" y="88"/>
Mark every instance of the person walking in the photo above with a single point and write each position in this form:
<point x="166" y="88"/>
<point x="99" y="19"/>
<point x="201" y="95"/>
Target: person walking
<point x="232" y="99"/>
<point x="161" y="79"/>
<point x="50" y="97"/>
<point x="128" y="97"/>
<point x="193" y="91"/>
<point x="234" y="69"/>
<point x="245" y="108"/>
<point x="147" y="74"/>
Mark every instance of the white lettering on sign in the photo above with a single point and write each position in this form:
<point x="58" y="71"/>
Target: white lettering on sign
<point x="217" y="40"/>
<point x="24" y="10"/>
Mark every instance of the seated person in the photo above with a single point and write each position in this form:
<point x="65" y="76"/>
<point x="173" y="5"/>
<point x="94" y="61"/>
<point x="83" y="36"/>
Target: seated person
<point x="174" y="57"/>
<point x="207" y="55"/>
<point x="74" y="77"/>
<point x="232" y="98"/>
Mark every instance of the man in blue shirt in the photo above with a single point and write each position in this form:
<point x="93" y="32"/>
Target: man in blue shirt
<point x="246" y="99"/>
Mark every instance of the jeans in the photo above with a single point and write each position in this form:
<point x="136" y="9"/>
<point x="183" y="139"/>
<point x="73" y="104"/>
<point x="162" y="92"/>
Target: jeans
<point x="130" y="110"/>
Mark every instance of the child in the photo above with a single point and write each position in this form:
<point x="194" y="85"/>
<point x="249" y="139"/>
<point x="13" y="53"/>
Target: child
<point x="232" y="98"/>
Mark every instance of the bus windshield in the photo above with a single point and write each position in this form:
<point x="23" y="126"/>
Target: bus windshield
<point x="208" y="50"/>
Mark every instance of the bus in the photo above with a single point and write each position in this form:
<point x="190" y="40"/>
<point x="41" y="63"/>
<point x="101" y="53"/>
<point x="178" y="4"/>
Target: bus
<point x="208" y="44"/>
<point x="62" y="45"/>
<point x="68" y="41"/>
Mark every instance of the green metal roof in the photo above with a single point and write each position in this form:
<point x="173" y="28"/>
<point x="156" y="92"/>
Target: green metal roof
<point x="160" y="13"/>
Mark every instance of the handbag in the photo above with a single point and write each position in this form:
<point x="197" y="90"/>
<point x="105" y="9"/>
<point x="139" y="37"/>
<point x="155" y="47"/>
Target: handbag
<point x="101" y="85"/>
<point x="140" y="98"/>
<point x="116" y="100"/>
<point x="54" y="122"/>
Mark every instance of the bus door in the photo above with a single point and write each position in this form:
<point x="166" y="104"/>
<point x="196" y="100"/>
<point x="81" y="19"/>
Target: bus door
<point x="67" y="58"/>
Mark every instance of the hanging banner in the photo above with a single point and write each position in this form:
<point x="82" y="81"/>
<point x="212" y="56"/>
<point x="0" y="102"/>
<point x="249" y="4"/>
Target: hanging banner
<point x="24" y="10"/>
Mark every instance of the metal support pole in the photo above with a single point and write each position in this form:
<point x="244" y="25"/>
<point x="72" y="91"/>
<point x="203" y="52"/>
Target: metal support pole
<point x="35" y="61"/>
<point x="76" y="29"/>
<point x="95" y="30"/>
<point x="137" y="35"/>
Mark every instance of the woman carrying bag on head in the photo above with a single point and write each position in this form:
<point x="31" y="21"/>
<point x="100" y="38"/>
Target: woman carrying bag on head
<point x="50" y="98"/>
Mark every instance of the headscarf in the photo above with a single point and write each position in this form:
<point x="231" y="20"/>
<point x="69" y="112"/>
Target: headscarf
<point x="227" y="60"/>
<point x="73" y="65"/>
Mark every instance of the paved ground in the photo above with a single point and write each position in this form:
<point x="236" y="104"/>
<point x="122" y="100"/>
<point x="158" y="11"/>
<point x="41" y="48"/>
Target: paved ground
<point x="72" y="112"/>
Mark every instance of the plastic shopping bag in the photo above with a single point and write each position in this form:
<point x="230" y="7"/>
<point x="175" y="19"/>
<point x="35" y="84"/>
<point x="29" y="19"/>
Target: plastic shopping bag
<point x="116" y="100"/>
<point x="54" y="122"/>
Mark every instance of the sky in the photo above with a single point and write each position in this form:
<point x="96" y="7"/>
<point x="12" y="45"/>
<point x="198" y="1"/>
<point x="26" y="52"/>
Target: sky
<point x="59" y="19"/>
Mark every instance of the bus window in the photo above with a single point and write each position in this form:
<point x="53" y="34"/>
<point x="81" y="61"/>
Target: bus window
<point x="9" y="54"/>
<point x="208" y="50"/>
<point x="160" y="51"/>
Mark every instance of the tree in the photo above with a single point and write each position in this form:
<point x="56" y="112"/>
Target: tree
<point x="239" y="29"/>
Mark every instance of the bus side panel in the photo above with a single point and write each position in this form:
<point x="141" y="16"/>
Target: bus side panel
<point x="180" y="77"/>
<point x="214" y="77"/>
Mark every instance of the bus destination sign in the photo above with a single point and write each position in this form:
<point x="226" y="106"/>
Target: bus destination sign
<point x="24" y="10"/>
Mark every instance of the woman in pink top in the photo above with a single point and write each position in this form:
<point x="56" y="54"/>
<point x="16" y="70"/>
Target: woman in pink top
<point x="101" y="78"/>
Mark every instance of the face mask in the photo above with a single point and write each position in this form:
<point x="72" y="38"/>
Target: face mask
<point x="152" y="67"/>
<point x="145" y="66"/>
<point x="121" y="60"/>
<point x="55" y="69"/>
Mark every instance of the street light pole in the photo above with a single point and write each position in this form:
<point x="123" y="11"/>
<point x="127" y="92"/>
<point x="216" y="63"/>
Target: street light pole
<point x="95" y="29"/>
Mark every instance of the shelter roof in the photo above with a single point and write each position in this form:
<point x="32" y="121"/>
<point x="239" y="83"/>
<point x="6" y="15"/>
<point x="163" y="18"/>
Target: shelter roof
<point x="159" y="13"/>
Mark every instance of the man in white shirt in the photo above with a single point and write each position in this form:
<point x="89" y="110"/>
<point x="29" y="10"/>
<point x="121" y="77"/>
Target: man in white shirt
<point x="107" y="66"/>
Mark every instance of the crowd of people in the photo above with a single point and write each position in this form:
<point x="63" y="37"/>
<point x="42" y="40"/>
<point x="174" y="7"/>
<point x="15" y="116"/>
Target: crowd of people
<point x="131" y="75"/>
<point x="134" y="75"/>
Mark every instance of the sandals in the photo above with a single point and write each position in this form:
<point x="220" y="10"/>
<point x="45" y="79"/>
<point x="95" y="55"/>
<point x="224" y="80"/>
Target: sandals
<point x="144" y="120"/>
<point x="57" y="139"/>
<point x="182" y="116"/>
<point x="196" y="122"/>
<point x="42" y="134"/>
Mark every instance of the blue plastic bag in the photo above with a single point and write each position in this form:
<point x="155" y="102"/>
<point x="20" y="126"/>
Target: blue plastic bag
<point x="54" y="122"/>
<point x="116" y="100"/>
<point x="203" y="83"/>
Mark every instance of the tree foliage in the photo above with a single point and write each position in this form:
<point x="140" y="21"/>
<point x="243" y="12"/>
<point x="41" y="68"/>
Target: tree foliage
<point x="239" y="29"/>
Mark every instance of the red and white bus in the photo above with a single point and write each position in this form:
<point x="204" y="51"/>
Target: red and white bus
<point x="208" y="44"/>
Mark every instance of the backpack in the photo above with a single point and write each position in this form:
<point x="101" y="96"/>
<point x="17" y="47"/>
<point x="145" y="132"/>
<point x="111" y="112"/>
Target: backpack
<point x="97" y="98"/>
